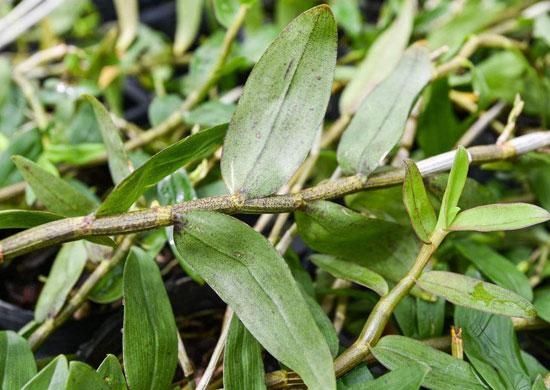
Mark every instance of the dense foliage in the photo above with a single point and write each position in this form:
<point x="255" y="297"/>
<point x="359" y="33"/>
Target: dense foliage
<point x="274" y="194"/>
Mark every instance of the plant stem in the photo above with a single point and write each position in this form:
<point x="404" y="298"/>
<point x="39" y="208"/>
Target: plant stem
<point x="50" y="325"/>
<point x="71" y="229"/>
<point x="383" y="310"/>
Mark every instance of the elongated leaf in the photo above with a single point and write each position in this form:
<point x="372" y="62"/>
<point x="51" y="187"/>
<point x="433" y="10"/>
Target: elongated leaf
<point x="496" y="217"/>
<point x="380" y="120"/>
<point x="17" y="364"/>
<point x="162" y="164"/>
<point x="491" y="339"/>
<point x="55" y="193"/>
<point x="150" y="346"/>
<point x="352" y="272"/>
<point x="225" y="11"/>
<point x="283" y="104"/>
<point x="402" y="378"/>
<point x="465" y="291"/>
<point x="111" y="372"/>
<point x="242" y="361"/>
<point x="381" y="59"/>
<point x="496" y="267"/>
<point x="455" y="184"/>
<point x="119" y="164"/>
<point x="446" y="372"/>
<point x="240" y="265"/>
<point x="419" y="208"/>
<point x="84" y="377"/>
<point x="356" y="376"/>
<point x="52" y="377"/>
<point x="323" y="323"/>
<point x="64" y="274"/>
<point x="18" y="219"/>
<point x="188" y="21"/>
<point x="386" y="248"/>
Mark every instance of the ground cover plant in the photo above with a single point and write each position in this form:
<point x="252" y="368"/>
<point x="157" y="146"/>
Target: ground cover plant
<point x="248" y="194"/>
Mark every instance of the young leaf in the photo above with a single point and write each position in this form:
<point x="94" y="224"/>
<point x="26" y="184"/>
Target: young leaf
<point x="283" y="105"/>
<point x="496" y="217"/>
<point x="419" y="208"/>
<point x="381" y="59"/>
<point x="243" y="367"/>
<point x="17" y="363"/>
<point x="83" y="377"/>
<point x="52" y="377"/>
<point x="457" y="178"/>
<point x="496" y="267"/>
<point x="386" y="248"/>
<point x="119" y="165"/>
<point x="27" y="144"/>
<point x="240" y="264"/>
<point x="352" y="272"/>
<point x="491" y="340"/>
<point x="55" y="193"/>
<point x="226" y="10"/>
<point x="188" y="15"/>
<point x="19" y="219"/>
<point x="150" y="346"/>
<point x="111" y="372"/>
<point x="402" y="378"/>
<point x="446" y="372"/>
<point x="465" y="291"/>
<point x="379" y="122"/>
<point x="65" y="272"/>
<point x="162" y="164"/>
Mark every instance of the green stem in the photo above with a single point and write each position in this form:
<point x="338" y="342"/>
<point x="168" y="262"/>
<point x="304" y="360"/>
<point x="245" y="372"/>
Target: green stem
<point x="383" y="310"/>
<point x="51" y="324"/>
<point x="71" y="229"/>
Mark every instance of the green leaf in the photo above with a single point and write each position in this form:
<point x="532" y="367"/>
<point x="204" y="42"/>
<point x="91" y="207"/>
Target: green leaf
<point x="496" y="267"/>
<point x="402" y="378"/>
<point x="323" y="322"/>
<point x="109" y="287"/>
<point x="419" y="208"/>
<point x="352" y="272"/>
<point x="226" y="10"/>
<point x="83" y="377"/>
<point x="211" y="113"/>
<point x="240" y="264"/>
<point x="65" y="272"/>
<point x="356" y="376"/>
<point x="119" y="165"/>
<point x="55" y="193"/>
<point x="27" y="144"/>
<point x="446" y="372"/>
<point x="111" y="372"/>
<point x="17" y="364"/>
<point x="348" y="15"/>
<point x="384" y="247"/>
<point x="19" y="219"/>
<point x="188" y="17"/>
<point x="165" y="162"/>
<point x="243" y="367"/>
<point x="457" y="179"/>
<point x="539" y="384"/>
<point x="283" y="105"/>
<point x="491" y="340"/>
<point x="150" y="347"/>
<point x="465" y="291"/>
<point x="542" y="303"/>
<point x="52" y="377"/>
<point x="380" y="120"/>
<point x="381" y="59"/>
<point x="496" y="217"/>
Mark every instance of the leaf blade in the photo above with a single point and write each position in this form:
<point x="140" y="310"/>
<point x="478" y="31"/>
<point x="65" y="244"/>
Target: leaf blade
<point x="288" y="104"/>
<point x="419" y="208"/>
<point x="17" y="364"/>
<point x="52" y="377"/>
<point x="240" y="268"/>
<point x="378" y="125"/>
<point x="496" y="217"/>
<point x="476" y="294"/>
<point x="149" y="339"/>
